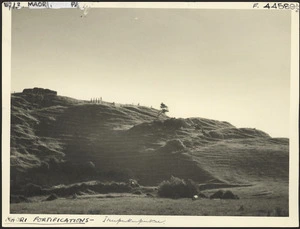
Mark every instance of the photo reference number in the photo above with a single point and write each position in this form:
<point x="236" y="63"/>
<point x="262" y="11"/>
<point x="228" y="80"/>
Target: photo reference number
<point x="279" y="5"/>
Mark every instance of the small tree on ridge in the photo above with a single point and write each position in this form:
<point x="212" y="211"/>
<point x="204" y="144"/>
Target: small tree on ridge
<point x="164" y="109"/>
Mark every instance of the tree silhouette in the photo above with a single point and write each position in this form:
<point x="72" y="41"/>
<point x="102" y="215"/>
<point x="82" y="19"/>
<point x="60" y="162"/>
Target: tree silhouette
<point x="163" y="109"/>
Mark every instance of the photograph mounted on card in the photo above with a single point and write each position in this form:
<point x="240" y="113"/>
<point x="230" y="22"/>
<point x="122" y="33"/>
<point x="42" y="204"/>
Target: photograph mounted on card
<point x="141" y="114"/>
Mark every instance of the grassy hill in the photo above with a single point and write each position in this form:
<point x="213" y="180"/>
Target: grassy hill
<point x="59" y="140"/>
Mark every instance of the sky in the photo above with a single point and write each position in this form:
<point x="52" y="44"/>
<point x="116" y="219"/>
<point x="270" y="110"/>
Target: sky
<point x="228" y="65"/>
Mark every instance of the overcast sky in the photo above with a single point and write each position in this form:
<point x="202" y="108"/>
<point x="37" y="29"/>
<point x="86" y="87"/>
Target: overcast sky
<point x="229" y="65"/>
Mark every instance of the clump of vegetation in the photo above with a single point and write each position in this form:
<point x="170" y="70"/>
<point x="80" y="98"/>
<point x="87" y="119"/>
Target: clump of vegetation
<point x="164" y="109"/>
<point x="217" y="195"/>
<point x="177" y="188"/>
<point x="223" y="195"/>
<point x="202" y="195"/>
<point x="230" y="195"/>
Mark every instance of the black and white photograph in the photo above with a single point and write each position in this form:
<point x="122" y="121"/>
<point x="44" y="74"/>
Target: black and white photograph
<point x="124" y="110"/>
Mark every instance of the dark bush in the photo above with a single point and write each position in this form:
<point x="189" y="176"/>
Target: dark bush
<point x="223" y="195"/>
<point x="177" y="188"/>
<point x="202" y="195"/>
<point x="217" y="195"/>
<point x="192" y="187"/>
<point x="229" y="195"/>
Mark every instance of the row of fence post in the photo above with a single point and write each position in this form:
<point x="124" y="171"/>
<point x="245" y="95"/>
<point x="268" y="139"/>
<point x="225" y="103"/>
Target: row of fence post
<point x="99" y="100"/>
<point x="96" y="100"/>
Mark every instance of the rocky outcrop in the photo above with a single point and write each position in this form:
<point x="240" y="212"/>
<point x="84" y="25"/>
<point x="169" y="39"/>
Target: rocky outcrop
<point x="39" y="91"/>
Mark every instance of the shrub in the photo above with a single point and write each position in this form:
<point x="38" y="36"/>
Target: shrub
<point x="217" y="195"/>
<point x="177" y="188"/>
<point x="202" y="195"/>
<point x="192" y="187"/>
<point x="229" y="195"/>
<point x="223" y="195"/>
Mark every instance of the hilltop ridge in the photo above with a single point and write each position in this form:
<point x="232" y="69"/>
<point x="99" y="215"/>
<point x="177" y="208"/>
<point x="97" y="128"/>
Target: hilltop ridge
<point x="61" y="140"/>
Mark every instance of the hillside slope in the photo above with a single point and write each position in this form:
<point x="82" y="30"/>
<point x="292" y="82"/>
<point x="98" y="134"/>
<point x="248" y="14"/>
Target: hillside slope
<point x="60" y="140"/>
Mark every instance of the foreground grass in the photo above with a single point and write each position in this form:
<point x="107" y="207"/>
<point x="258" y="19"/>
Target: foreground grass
<point x="142" y="205"/>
